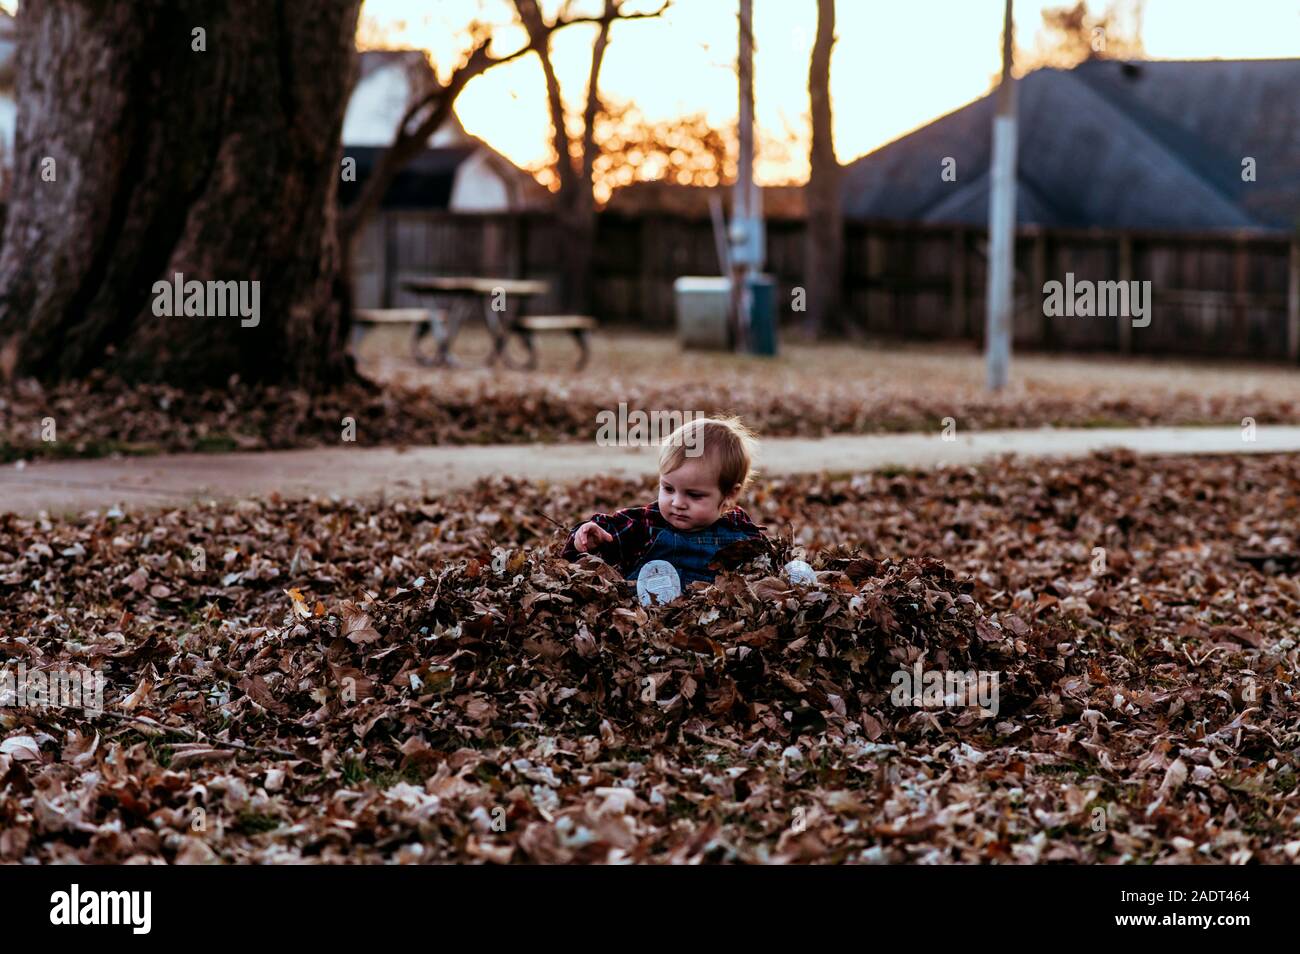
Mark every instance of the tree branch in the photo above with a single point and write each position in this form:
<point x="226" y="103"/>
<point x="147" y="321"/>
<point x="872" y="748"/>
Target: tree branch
<point x="574" y="182"/>
<point x="593" y="106"/>
<point x="407" y="142"/>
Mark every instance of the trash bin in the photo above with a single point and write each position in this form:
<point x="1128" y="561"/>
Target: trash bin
<point x="701" y="303"/>
<point x="762" y="315"/>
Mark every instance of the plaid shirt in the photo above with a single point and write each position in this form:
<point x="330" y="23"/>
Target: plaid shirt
<point x="633" y="530"/>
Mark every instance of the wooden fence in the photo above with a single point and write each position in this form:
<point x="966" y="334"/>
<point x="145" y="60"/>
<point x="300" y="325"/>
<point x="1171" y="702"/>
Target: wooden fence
<point x="1222" y="294"/>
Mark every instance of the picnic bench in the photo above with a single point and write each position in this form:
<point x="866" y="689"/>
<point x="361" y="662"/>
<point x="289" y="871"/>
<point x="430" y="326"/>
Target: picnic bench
<point x="500" y="301"/>
<point x="421" y="321"/>
<point x="580" y="326"/>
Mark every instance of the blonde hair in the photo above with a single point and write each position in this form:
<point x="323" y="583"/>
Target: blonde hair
<point x="725" y="440"/>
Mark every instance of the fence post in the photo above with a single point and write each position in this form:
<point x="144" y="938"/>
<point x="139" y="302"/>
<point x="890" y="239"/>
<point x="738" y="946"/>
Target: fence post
<point x="961" y="315"/>
<point x="1293" y="303"/>
<point x="514" y="265"/>
<point x="1036" y="291"/>
<point x="1125" y="324"/>
<point x="1240" y="295"/>
<point x="649" y="238"/>
<point x="521" y="228"/>
<point x="389" y="246"/>
<point x="875" y="266"/>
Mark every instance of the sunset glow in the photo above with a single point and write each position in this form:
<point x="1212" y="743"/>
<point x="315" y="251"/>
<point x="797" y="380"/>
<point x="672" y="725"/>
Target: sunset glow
<point x="896" y="65"/>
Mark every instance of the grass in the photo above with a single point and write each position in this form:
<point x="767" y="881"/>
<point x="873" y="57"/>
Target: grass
<point x="69" y="450"/>
<point x="1285" y="781"/>
<point x="75" y="450"/>
<point x="216" y="444"/>
<point x="255" y="823"/>
<point x="1080" y="770"/>
<point x="846" y="387"/>
<point x="623" y="358"/>
<point x="356" y="773"/>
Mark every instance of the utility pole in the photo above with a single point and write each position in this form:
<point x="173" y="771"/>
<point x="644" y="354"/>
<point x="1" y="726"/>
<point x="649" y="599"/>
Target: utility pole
<point x="1002" y="222"/>
<point x="747" y="211"/>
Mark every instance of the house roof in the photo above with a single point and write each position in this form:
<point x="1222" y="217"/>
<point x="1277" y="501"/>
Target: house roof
<point x="424" y="183"/>
<point x="386" y="83"/>
<point x="1155" y="145"/>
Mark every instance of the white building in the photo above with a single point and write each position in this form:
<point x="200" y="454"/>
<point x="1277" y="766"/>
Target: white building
<point x="479" y="178"/>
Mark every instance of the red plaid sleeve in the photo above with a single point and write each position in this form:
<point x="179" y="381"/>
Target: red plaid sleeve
<point x="631" y="530"/>
<point x="738" y="519"/>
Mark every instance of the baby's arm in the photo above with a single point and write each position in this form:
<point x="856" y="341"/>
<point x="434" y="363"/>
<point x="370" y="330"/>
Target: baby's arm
<point x="589" y="536"/>
<point x="616" y="537"/>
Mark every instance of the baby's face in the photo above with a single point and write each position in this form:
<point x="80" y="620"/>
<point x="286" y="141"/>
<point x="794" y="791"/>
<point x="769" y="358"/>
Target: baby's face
<point x="689" y="497"/>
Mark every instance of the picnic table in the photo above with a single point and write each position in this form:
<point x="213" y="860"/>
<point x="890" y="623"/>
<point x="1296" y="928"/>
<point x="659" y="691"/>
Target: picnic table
<point x="463" y="296"/>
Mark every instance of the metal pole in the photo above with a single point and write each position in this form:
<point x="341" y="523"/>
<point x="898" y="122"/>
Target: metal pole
<point x="746" y="218"/>
<point x="1293" y="304"/>
<point x="1002" y="222"/>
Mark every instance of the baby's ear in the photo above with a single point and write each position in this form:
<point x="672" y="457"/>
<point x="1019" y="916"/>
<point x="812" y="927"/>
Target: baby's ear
<point x="730" y="497"/>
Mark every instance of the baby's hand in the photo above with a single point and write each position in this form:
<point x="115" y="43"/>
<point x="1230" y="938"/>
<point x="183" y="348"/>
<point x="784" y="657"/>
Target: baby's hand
<point x="589" y="536"/>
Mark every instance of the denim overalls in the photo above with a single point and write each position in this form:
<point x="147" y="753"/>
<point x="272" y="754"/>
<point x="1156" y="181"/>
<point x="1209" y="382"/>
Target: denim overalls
<point x="690" y="552"/>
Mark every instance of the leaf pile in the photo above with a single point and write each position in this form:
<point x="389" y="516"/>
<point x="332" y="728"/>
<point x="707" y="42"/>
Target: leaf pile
<point x="101" y="417"/>
<point x="565" y="648"/>
<point x="342" y="681"/>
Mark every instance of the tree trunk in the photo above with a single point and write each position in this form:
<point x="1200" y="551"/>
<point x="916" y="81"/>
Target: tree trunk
<point x="579" y="219"/>
<point x="575" y="212"/>
<point x="220" y="164"/>
<point x="577" y="234"/>
<point x="824" y="248"/>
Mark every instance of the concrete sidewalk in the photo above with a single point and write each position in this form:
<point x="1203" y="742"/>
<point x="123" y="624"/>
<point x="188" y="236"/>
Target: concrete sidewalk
<point x="352" y="471"/>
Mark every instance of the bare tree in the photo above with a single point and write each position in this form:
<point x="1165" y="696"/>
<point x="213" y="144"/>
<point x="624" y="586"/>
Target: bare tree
<point x="575" y="156"/>
<point x="824" y="248"/>
<point x="430" y="110"/>
<point x="433" y="106"/>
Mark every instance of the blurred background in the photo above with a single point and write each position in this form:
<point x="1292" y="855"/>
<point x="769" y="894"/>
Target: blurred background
<point x="636" y="173"/>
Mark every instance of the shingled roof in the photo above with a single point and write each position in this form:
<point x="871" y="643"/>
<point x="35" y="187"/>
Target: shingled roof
<point x="1143" y="145"/>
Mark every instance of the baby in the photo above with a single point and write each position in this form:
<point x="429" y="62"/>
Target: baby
<point x="704" y="467"/>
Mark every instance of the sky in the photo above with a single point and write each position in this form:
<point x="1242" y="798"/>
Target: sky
<point x="897" y="65"/>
